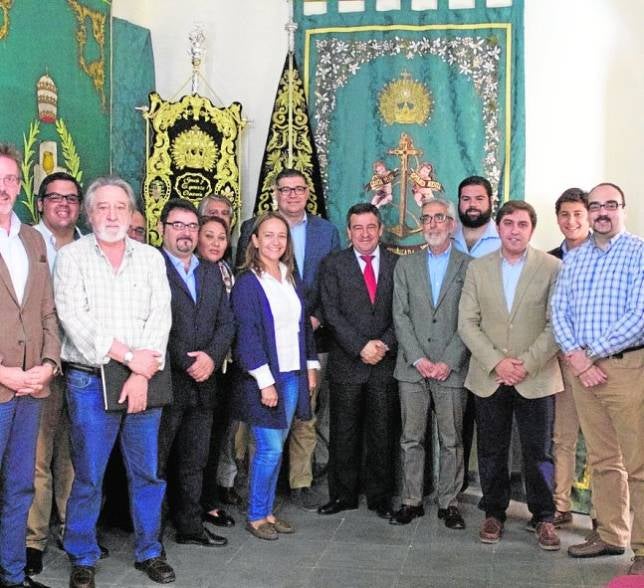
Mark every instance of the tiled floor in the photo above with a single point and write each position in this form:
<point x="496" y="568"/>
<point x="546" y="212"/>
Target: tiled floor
<point x="356" y="549"/>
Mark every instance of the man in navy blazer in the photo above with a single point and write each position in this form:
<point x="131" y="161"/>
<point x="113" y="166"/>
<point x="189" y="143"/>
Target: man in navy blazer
<point x="313" y="239"/>
<point x="201" y="334"/>
<point x="356" y="287"/>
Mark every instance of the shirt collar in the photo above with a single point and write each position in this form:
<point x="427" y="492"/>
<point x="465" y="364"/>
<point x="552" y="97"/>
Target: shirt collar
<point x="178" y="263"/>
<point x="301" y="222"/>
<point x="440" y="255"/>
<point x="375" y="254"/>
<point x="14" y="225"/>
<point x="611" y="241"/>
<point x="46" y="232"/>
<point x="521" y="259"/>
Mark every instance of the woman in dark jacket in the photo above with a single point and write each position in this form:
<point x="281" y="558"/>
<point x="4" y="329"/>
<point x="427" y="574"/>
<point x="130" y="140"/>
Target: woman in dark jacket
<point x="276" y="353"/>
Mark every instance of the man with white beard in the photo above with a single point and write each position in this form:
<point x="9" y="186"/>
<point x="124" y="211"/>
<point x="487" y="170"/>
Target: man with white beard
<point x="113" y="301"/>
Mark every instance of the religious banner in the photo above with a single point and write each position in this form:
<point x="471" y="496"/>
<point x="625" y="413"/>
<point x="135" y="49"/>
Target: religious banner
<point x="290" y="143"/>
<point x="55" y="92"/>
<point x="192" y="153"/>
<point x="406" y="103"/>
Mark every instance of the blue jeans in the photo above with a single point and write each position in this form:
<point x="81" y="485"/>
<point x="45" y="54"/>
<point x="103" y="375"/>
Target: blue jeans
<point x="93" y="434"/>
<point x="269" y="443"/>
<point x="19" y="420"/>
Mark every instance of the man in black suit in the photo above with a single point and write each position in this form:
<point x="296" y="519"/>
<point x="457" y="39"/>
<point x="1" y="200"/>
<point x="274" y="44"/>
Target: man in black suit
<point x="202" y="331"/>
<point x="357" y="291"/>
<point x="313" y="238"/>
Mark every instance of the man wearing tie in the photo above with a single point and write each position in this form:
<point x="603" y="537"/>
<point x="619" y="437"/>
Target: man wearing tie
<point x="356" y="287"/>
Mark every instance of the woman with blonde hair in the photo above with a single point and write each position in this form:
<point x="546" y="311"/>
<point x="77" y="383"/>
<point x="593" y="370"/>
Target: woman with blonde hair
<point x="277" y="357"/>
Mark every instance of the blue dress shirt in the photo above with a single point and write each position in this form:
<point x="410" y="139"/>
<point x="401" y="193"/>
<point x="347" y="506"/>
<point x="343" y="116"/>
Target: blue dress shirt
<point x="489" y="241"/>
<point x="436" y="268"/>
<point x="298" y="235"/>
<point x="511" y="273"/>
<point x="188" y="277"/>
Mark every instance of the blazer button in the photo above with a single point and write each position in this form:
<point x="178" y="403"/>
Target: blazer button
<point x="429" y="339"/>
<point x="21" y="342"/>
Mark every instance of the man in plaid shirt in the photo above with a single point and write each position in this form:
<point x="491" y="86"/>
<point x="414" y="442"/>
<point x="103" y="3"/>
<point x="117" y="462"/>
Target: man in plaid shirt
<point x="598" y="321"/>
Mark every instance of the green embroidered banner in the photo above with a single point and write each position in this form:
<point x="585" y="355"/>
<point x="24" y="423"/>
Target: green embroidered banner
<point x="54" y="89"/>
<point x="404" y="104"/>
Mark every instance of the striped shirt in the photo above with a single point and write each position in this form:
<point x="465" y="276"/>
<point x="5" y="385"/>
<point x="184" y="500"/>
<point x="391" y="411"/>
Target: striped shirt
<point x="97" y="304"/>
<point x="598" y="302"/>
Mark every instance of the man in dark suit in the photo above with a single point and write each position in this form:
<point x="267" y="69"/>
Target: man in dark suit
<point x="29" y="358"/>
<point x="432" y="362"/>
<point x="356" y="287"/>
<point x="201" y="334"/>
<point x="313" y="239"/>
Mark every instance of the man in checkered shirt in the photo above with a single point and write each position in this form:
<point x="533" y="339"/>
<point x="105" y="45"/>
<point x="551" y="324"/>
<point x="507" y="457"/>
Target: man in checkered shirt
<point x="113" y="300"/>
<point x="598" y="321"/>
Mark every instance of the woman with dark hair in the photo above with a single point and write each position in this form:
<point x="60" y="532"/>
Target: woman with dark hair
<point x="276" y="354"/>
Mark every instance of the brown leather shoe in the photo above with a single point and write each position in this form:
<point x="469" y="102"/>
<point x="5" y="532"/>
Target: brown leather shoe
<point x="265" y="531"/>
<point x="82" y="577"/>
<point x="562" y="518"/>
<point x="281" y="526"/>
<point x="491" y="530"/>
<point x="594" y="547"/>
<point x="547" y="536"/>
<point x="637" y="569"/>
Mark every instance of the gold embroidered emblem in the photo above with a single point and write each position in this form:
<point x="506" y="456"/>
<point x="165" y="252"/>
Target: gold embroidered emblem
<point x="194" y="148"/>
<point x="405" y="101"/>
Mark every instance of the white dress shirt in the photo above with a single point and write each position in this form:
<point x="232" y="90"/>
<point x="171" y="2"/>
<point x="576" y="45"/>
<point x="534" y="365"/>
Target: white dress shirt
<point x="375" y="262"/>
<point x="14" y="254"/>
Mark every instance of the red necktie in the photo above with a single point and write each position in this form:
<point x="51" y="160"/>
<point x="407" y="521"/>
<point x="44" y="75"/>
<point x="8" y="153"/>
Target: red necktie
<point x="369" y="277"/>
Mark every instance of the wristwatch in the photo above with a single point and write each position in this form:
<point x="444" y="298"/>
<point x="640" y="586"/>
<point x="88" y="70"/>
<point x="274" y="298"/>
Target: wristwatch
<point x="128" y="357"/>
<point x="54" y="366"/>
<point x="589" y="354"/>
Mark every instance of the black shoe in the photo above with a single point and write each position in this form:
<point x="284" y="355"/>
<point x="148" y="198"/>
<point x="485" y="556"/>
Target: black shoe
<point x="26" y="583"/>
<point x="157" y="569"/>
<point x="229" y="496"/>
<point x="383" y="509"/>
<point x="407" y="514"/>
<point x="336" y="506"/>
<point x="220" y="519"/>
<point x="105" y="552"/>
<point x="206" y="539"/>
<point x="452" y="516"/>
<point x="34" y="562"/>
<point x="82" y="577"/>
<point x="305" y="499"/>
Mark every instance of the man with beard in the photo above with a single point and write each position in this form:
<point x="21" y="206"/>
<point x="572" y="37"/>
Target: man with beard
<point x="113" y="300"/>
<point x="598" y="321"/>
<point x="201" y="334"/>
<point x="59" y="204"/>
<point x="476" y="236"/>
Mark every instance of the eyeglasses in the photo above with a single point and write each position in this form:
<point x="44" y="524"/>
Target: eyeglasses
<point x="140" y="231"/>
<point x="179" y="226"/>
<point x="438" y="218"/>
<point x="608" y="205"/>
<point x="9" y="180"/>
<point x="56" y="198"/>
<point x="286" y="190"/>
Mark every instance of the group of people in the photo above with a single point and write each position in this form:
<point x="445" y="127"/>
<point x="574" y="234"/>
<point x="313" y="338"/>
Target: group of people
<point x="476" y="323"/>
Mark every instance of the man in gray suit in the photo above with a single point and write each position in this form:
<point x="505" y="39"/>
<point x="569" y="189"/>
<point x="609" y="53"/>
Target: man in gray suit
<point x="432" y="362"/>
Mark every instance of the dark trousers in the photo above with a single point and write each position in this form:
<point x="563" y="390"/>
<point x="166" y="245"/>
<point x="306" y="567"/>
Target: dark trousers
<point x="209" y="494"/>
<point x="184" y="442"/>
<point x="369" y="409"/>
<point x="468" y="432"/>
<point x="494" y="425"/>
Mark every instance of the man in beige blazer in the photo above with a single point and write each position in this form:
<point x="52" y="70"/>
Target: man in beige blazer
<point x="504" y="320"/>
<point x="29" y="358"/>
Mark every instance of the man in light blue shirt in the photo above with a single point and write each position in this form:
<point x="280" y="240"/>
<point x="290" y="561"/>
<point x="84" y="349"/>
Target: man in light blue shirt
<point x="431" y="364"/>
<point x="476" y="235"/>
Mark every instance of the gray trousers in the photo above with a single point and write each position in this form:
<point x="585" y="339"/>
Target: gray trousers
<point x="448" y="405"/>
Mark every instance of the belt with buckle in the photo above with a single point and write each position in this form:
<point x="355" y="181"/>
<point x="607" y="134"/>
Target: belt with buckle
<point x="88" y="369"/>
<point x="620" y="355"/>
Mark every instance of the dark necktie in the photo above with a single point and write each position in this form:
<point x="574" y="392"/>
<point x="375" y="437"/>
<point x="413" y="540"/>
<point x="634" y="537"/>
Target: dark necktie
<point x="369" y="277"/>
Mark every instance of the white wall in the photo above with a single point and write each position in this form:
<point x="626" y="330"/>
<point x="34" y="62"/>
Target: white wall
<point x="584" y="86"/>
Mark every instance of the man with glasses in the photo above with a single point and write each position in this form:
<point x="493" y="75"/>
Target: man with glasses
<point x="513" y="370"/>
<point x="598" y="320"/>
<point x="59" y="204"/>
<point x="313" y="239"/>
<point x="113" y="300"/>
<point x="136" y="230"/>
<point x="432" y="363"/>
<point x="201" y="334"/>
<point x="29" y="359"/>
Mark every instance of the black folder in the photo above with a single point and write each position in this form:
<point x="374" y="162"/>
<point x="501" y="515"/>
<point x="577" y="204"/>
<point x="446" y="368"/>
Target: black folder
<point x="113" y="376"/>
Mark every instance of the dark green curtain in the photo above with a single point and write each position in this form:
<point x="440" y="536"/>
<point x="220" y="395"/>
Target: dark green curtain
<point x="132" y="80"/>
